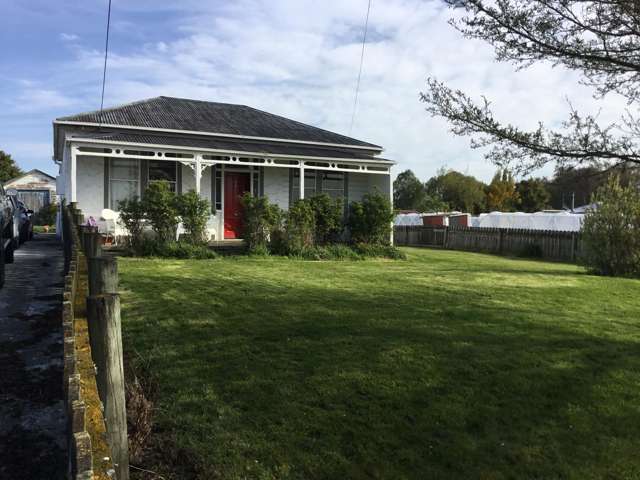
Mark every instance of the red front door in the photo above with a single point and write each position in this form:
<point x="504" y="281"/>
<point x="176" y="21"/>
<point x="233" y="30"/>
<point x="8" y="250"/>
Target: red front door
<point x="235" y="185"/>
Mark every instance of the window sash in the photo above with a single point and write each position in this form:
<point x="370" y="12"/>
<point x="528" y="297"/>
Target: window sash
<point x="123" y="172"/>
<point x="158" y="172"/>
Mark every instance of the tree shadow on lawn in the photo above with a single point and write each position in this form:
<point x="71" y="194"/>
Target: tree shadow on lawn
<point x="318" y="382"/>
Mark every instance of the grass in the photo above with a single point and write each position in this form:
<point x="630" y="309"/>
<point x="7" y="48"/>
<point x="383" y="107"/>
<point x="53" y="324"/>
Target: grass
<point x="447" y="365"/>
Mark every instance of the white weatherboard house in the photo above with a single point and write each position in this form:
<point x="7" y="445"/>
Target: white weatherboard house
<point x="219" y="150"/>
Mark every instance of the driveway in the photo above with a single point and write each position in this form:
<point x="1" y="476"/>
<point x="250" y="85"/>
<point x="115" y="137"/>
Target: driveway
<point x="32" y="417"/>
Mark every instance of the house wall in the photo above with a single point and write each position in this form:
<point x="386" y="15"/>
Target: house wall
<point x="90" y="185"/>
<point x="361" y="183"/>
<point x="276" y="186"/>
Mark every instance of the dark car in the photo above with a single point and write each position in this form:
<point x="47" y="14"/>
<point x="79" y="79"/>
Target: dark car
<point x="17" y="217"/>
<point x="6" y="232"/>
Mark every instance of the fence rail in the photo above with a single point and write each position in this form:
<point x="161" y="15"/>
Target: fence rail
<point x="546" y="244"/>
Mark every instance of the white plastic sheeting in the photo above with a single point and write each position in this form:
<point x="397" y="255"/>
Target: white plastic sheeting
<point x="560" y="222"/>
<point x="408" y="219"/>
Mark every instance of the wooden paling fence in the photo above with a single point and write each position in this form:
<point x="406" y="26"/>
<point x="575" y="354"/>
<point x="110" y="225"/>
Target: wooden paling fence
<point x="546" y="244"/>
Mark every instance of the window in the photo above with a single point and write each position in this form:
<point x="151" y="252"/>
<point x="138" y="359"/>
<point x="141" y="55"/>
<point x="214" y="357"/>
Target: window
<point x="333" y="184"/>
<point x="309" y="184"/>
<point x="162" y="170"/>
<point x="124" y="180"/>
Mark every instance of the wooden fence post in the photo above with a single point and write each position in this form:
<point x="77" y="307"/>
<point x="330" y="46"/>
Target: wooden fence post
<point x="103" y="275"/>
<point x="104" y="312"/>
<point x="91" y="241"/>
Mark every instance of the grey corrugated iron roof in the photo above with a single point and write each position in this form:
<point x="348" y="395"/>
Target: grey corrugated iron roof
<point x="231" y="145"/>
<point x="210" y="117"/>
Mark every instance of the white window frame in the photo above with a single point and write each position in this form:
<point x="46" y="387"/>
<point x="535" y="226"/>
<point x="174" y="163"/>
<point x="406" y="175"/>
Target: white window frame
<point x="111" y="179"/>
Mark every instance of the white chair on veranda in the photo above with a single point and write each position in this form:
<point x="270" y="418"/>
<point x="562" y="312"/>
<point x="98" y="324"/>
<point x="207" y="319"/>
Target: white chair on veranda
<point x="110" y="219"/>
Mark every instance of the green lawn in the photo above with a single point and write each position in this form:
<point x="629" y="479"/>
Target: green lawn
<point x="447" y="365"/>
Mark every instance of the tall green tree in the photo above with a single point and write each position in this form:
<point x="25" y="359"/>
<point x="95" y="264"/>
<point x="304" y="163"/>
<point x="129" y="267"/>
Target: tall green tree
<point x="8" y="167"/>
<point x="501" y="193"/>
<point x="599" y="40"/>
<point x="408" y="191"/>
<point x="611" y="233"/>
<point x="460" y="192"/>
<point x="533" y="195"/>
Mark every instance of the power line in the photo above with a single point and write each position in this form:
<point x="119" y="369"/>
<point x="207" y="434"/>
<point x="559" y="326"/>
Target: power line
<point x="364" y="40"/>
<point x="104" y="70"/>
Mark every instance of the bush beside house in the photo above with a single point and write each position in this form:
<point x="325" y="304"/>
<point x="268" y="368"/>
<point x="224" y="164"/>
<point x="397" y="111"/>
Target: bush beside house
<point x="162" y="211"/>
<point x="315" y="229"/>
<point x="312" y="228"/>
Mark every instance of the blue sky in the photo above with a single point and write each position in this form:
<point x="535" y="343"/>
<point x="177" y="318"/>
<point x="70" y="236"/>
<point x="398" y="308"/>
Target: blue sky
<point x="297" y="58"/>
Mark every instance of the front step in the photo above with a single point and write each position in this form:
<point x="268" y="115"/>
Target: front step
<point x="229" y="247"/>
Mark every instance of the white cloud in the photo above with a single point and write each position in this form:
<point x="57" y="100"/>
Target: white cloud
<point x="69" y="37"/>
<point x="300" y="59"/>
<point x="33" y="99"/>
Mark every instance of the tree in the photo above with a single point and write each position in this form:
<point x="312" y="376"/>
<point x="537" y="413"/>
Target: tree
<point x="408" y="191"/>
<point x="611" y="233"/>
<point x="599" y="39"/>
<point x="8" y="167"/>
<point x="573" y="187"/>
<point x="533" y="195"/>
<point x="501" y="194"/>
<point x="460" y="192"/>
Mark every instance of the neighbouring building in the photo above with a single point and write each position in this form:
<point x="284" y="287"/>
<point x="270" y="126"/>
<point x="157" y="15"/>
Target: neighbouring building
<point x="35" y="188"/>
<point x="219" y="150"/>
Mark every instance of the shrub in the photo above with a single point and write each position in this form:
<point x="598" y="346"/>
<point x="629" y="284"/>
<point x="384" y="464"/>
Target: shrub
<point x="46" y="215"/>
<point x="173" y="249"/>
<point x="160" y="206"/>
<point x="373" y="250"/>
<point x="132" y="215"/>
<point x="300" y="226"/>
<point x="347" y="252"/>
<point x="326" y="252"/>
<point x="194" y="212"/>
<point x="328" y="215"/>
<point x="611" y="233"/>
<point x="370" y="220"/>
<point x="261" y="220"/>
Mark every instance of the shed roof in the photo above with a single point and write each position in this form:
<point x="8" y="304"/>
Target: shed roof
<point x="30" y="172"/>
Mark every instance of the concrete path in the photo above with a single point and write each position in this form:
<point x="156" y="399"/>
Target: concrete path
<point x="32" y="419"/>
